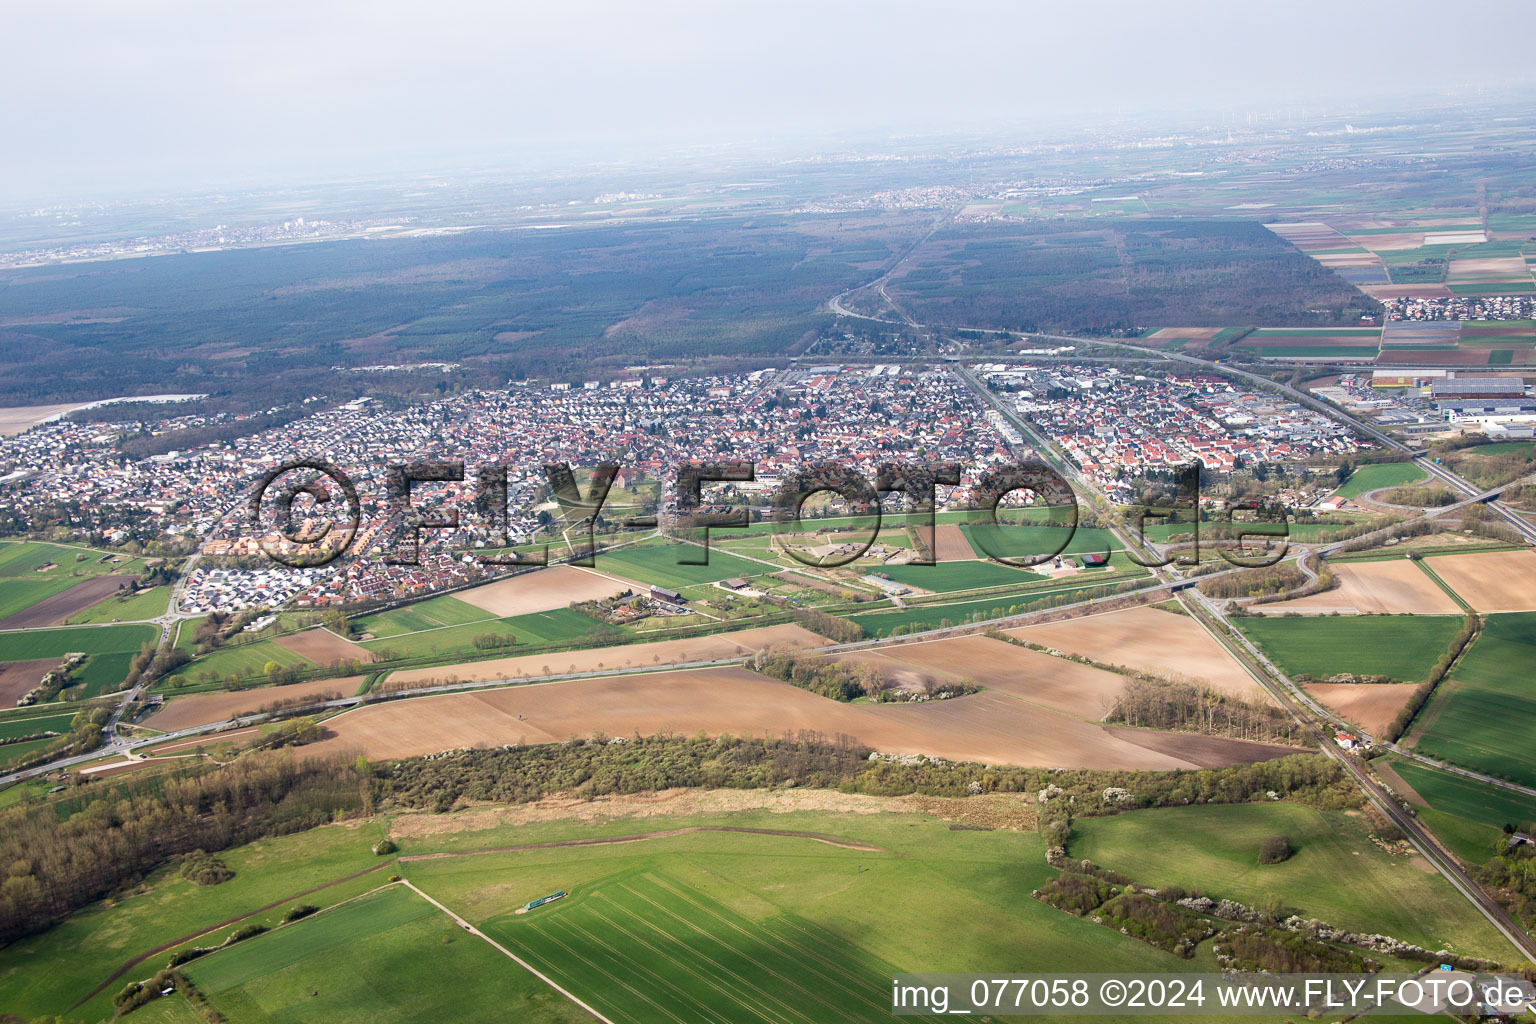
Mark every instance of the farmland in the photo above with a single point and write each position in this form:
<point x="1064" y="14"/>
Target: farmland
<point x="992" y="727"/>
<point x="1484" y="715"/>
<point x="947" y="577"/>
<point x="1374" y="477"/>
<point x="387" y="955"/>
<point x="1494" y="581"/>
<point x="1402" y="647"/>
<point x="1336" y="874"/>
<point x="821" y="917"/>
<point x="55" y="643"/>
<point x="707" y="962"/>
<point x="540" y="591"/>
<point x="711" y="647"/>
<point x="1381" y="587"/>
<point x="1149" y="640"/>
<point x="1467" y="798"/>
<point x="658" y="565"/>
<point x="432" y="613"/>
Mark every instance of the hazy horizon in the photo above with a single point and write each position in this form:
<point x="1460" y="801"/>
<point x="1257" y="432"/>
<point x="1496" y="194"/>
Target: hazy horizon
<point x="166" y="94"/>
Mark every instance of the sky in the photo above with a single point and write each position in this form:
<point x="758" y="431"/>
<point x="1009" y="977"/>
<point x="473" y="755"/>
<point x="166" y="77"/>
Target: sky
<point x="119" y="94"/>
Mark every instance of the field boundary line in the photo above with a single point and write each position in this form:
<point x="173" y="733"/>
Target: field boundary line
<point x="505" y="951"/>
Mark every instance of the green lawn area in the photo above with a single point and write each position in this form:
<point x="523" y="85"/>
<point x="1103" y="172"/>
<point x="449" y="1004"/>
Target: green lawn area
<point x="1484" y="717"/>
<point x="18" y="593"/>
<point x="658" y="564"/>
<point x="12" y="752"/>
<point x="1465" y="798"/>
<point x="147" y="605"/>
<point x="798" y="922"/>
<point x="1336" y="873"/>
<point x="101" y="673"/>
<point x="1019" y="540"/>
<point x="26" y="721"/>
<point x="946" y="577"/>
<point x="1369" y="478"/>
<point x="429" y="614"/>
<point x="1404" y="647"/>
<point x="55" y="643"/>
<point x="240" y="660"/>
<point x="389" y="955"/>
<point x="552" y="627"/>
<point x="48" y="973"/>
<point x="931" y="616"/>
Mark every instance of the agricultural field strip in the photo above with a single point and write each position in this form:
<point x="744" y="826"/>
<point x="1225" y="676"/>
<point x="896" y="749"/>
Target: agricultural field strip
<point x="722" y="979"/>
<point x="506" y="952"/>
<point x="751" y="994"/>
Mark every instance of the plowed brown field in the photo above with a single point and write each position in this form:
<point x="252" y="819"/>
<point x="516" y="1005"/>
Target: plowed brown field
<point x="990" y="727"/>
<point x="204" y="708"/>
<point x="542" y="591"/>
<point x="1398" y="587"/>
<point x="1149" y="640"/>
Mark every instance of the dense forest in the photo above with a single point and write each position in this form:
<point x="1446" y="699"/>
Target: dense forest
<point x="1114" y="276"/>
<point x="260" y="327"/>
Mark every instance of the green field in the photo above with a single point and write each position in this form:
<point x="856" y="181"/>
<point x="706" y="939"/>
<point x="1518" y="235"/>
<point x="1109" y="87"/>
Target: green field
<point x="389" y="955"/>
<point x="1283" y="351"/>
<point x="1388" y="474"/>
<point x="1484" y="716"/>
<point x="248" y="659"/>
<point x="429" y="614"/>
<point x="946" y="577"/>
<point x="673" y="918"/>
<point x="127" y="609"/>
<point x="20" y="593"/>
<point x="101" y="673"/>
<point x="552" y="627"/>
<point x="643" y="946"/>
<point x="55" y="643"/>
<point x="22" y="723"/>
<point x="24" y="580"/>
<point x="1404" y="647"/>
<point x="658" y="564"/>
<point x="1336" y="874"/>
<point x="13" y="752"/>
<point x="1022" y="540"/>
<point x="931" y="616"/>
<point x="1466" y="798"/>
<point x="51" y="972"/>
